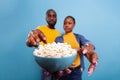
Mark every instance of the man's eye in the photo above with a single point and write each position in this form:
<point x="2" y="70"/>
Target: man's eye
<point x="49" y="15"/>
<point x="54" y="15"/>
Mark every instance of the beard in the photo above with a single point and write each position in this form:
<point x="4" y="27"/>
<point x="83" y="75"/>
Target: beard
<point x="51" y="24"/>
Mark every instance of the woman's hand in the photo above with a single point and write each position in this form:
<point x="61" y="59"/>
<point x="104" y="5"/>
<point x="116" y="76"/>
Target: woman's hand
<point x="59" y="74"/>
<point x="79" y="50"/>
<point x="91" y="69"/>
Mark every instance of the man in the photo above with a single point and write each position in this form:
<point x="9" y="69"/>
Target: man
<point x="48" y="34"/>
<point x="44" y="34"/>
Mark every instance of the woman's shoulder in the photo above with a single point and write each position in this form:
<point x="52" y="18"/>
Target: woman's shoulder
<point x="59" y="39"/>
<point x="78" y="35"/>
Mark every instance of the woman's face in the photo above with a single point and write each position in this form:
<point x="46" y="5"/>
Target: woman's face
<point x="68" y="25"/>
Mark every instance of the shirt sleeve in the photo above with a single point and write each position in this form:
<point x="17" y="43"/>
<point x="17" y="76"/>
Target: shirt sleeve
<point x="59" y="39"/>
<point x="85" y="41"/>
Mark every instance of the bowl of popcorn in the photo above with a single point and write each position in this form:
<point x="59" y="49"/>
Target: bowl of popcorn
<point x="55" y="56"/>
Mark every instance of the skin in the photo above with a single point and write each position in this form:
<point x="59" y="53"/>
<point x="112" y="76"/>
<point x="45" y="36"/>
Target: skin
<point x="68" y="25"/>
<point x="51" y="19"/>
<point x="92" y="57"/>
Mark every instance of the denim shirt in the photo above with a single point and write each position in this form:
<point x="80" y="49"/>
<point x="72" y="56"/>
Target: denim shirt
<point x="81" y="40"/>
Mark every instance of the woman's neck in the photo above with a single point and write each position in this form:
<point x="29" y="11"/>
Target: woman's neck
<point x="68" y="32"/>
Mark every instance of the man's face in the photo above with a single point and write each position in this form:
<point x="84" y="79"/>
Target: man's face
<point x="51" y="18"/>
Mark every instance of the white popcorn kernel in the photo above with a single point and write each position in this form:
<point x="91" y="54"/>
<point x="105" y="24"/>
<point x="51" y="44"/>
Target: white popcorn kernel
<point x="54" y="50"/>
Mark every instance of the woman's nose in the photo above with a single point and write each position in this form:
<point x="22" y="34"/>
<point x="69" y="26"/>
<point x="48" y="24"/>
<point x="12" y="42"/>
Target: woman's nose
<point x="66" y="25"/>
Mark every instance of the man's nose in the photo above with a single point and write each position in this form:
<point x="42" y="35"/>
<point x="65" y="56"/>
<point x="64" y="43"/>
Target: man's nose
<point x="52" y="18"/>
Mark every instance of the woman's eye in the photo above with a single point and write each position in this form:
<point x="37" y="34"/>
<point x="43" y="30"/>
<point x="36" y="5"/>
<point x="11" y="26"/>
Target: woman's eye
<point x="64" y="23"/>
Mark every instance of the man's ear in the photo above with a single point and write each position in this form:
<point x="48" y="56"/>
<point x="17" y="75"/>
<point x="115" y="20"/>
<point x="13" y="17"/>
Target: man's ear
<point x="46" y="18"/>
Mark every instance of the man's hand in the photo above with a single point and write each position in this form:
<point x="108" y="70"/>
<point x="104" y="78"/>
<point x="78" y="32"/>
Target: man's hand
<point x="34" y="37"/>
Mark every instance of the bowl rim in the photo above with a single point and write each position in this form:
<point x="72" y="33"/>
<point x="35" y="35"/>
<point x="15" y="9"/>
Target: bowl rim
<point x="75" y="54"/>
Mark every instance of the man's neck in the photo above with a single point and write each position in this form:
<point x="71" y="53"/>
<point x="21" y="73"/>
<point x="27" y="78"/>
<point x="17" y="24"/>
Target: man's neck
<point x="51" y="27"/>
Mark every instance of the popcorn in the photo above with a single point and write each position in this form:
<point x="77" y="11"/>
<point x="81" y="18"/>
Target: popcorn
<point x="54" y="50"/>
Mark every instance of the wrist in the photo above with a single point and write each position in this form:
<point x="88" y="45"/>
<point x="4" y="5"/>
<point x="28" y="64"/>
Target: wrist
<point x="95" y="64"/>
<point x="92" y="66"/>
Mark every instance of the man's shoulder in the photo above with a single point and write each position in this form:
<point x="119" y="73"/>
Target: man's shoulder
<point x="57" y="30"/>
<point x="42" y="27"/>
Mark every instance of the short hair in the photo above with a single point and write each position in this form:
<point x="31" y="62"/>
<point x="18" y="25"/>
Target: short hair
<point x="71" y="17"/>
<point x="50" y="10"/>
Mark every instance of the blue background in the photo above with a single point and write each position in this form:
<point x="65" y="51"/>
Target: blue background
<point x="97" y="20"/>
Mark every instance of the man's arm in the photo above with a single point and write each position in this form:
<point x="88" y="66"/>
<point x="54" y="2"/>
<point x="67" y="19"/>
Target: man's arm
<point x="34" y="37"/>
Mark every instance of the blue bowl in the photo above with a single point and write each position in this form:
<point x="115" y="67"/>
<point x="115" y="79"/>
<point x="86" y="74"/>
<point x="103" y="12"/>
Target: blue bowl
<point x="55" y="64"/>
